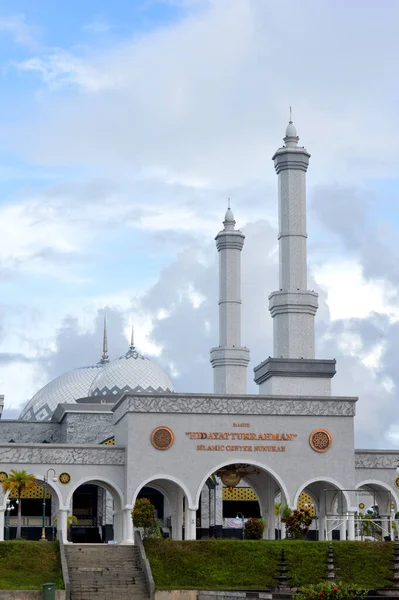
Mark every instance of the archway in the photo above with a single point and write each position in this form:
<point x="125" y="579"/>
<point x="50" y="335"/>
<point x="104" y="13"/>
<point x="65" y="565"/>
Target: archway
<point x="241" y="491"/>
<point x="172" y="503"/>
<point x="377" y="505"/>
<point x="39" y="508"/>
<point x="94" y="512"/>
<point x="329" y="504"/>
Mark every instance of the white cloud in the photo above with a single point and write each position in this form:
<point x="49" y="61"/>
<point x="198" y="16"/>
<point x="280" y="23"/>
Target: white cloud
<point x="17" y="27"/>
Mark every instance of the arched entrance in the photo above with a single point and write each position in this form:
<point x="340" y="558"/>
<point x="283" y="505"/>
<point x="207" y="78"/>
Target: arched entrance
<point x="377" y="506"/>
<point x="39" y="508"/>
<point x="94" y="513"/>
<point x="172" y="503"/>
<point x="329" y="503"/>
<point x="240" y="491"/>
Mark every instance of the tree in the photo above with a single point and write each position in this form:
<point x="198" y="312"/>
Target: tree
<point x="298" y="523"/>
<point x="16" y="483"/>
<point x="143" y="515"/>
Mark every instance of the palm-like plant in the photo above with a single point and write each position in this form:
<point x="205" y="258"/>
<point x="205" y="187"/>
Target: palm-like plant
<point x="16" y="483"/>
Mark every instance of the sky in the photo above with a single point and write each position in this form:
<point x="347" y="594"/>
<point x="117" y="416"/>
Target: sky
<point x="124" y="128"/>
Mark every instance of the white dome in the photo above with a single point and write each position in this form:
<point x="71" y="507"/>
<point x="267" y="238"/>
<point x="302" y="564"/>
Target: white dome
<point x="64" y="389"/>
<point x="291" y="132"/>
<point x="132" y="373"/>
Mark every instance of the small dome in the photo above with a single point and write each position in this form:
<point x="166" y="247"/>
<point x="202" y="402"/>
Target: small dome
<point x="229" y="217"/>
<point x="132" y="373"/>
<point x="66" y="388"/>
<point x="291" y="130"/>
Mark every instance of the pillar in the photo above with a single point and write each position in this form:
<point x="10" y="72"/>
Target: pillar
<point x="2" y="513"/>
<point x="62" y="523"/>
<point x="384" y="526"/>
<point x="229" y="360"/>
<point x="342" y="528"/>
<point x="118" y="526"/>
<point x="351" y="525"/>
<point x="191" y="523"/>
<point x="176" y="506"/>
<point x="128" y="537"/>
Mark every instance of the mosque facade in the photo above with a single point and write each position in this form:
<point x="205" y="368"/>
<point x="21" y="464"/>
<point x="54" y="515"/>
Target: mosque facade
<point x="104" y="435"/>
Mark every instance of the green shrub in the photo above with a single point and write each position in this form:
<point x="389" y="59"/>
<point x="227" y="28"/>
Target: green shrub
<point x="253" y="529"/>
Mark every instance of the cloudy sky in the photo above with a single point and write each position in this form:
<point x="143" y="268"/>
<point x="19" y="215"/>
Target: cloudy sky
<point x="124" y="128"/>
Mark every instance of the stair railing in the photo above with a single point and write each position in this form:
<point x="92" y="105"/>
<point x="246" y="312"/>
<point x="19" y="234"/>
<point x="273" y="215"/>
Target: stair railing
<point x="145" y="565"/>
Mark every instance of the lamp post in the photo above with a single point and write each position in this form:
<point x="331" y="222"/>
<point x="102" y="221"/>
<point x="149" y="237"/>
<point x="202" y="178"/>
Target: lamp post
<point x="54" y="478"/>
<point x="9" y="508"/>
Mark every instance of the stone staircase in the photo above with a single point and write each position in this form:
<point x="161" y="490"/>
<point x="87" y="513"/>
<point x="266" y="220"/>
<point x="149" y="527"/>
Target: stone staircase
<point x="105" y="572"/>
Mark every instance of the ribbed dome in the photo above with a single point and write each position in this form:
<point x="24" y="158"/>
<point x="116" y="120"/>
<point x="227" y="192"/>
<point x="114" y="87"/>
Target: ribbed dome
<point x="132" y="373"/>
<point x="64" y="389"/>
<point x="291" y="130"/>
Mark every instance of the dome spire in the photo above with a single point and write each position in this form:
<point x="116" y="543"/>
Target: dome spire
<point x="291" y="137"/>
<point x="132" y="339"/>
<point x="105" y="357"/>
<point x="229" y="221"/>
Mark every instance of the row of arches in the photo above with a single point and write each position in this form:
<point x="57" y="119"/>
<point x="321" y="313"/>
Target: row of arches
<point x="99" y="507"/>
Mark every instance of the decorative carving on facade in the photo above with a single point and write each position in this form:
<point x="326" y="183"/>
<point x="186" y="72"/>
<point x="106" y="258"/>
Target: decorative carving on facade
<point x="252" y="405"/>
<point x="162" y="438"/>
<point x="320" y="440"/>
<point x="104" y="455"/>
<point x="372" y="460"/>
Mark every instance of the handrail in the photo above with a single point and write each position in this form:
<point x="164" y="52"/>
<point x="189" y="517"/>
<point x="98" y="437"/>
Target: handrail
<point x="145" y="563"/>
<point x="64" y="566"/>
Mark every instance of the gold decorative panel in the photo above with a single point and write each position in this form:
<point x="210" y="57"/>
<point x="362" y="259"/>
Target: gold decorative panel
<point x="109" y="441"/>
<point x="305" y="501"/>
<point x="34" y="492"/>
<point x="239" y="493"/>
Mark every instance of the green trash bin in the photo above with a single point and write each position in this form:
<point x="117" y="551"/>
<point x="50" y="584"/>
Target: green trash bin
<point x="49" y="591"/>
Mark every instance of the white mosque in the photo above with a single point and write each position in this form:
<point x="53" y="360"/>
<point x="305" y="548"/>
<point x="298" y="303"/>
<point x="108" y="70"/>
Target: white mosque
<point x="112" y="432"/>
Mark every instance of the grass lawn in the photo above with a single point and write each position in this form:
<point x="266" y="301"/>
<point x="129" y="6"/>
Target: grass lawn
<point x="235" y="564"/>
<point x="27" y="565"/>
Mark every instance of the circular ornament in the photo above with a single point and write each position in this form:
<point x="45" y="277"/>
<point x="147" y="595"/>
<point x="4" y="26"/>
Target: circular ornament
<point x="162" y="438"/>
<point x="397" y="482"/>
<point x="3" y="475"/>
<point x="361" y="505"/>
<point x="64" y="478"/>
<point x="320" y="440"/>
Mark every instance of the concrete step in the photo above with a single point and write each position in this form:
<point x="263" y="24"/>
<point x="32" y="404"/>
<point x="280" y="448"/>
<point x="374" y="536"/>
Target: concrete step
<point x="101" y="572"/>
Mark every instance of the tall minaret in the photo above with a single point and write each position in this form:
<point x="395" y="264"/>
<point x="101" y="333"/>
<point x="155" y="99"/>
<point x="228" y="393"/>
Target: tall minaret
<point x="294" y="370"/>
<point x="229" y="360"/>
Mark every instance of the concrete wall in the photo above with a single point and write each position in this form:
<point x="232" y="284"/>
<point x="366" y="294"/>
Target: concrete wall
<point x="29" y="432"/>
<point x="28" y="595"/>
<point x="86" y="428"/>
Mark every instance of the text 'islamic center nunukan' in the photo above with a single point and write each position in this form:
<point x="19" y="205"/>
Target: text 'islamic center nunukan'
<point x="116" y="431"/>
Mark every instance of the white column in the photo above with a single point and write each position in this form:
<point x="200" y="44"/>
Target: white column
<point x="62" y="523"/>
<point x="384" y="526"/>
<point x="342" y="528"/>
<point x="128" y="537"/>
<point x="192" y="525"/>
<point x="283" y="530"/>
<point x="176" y="507"/>
<point x="186" y="521"/>
<point x="118" y="526"/>
<point x="351" y="525"/>
<point x="229" y="360"/>
<point x="2" y="512"/>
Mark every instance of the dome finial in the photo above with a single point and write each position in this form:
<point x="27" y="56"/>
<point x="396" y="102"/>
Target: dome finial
<point x="105" y="357"/>
<point x="229" y="221"/>
<point x="132" y="339"/>
<point x="291" y="137"/>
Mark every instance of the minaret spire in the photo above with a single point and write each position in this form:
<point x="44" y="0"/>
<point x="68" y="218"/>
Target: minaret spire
<point x="132" y="339"/>
<point x="105" y="357"/>
<point x="294" y="370"/>
<point x="229" y="360"/>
